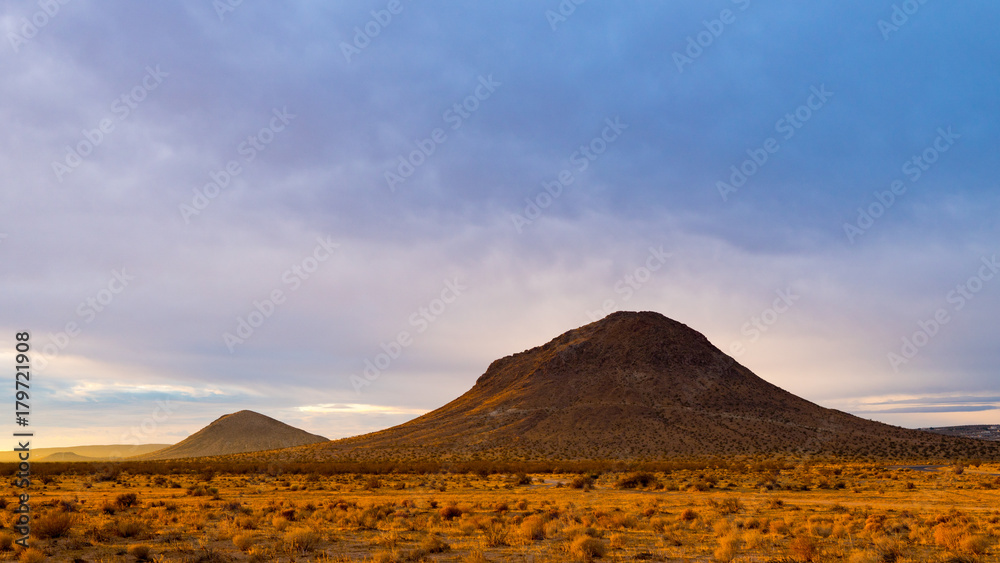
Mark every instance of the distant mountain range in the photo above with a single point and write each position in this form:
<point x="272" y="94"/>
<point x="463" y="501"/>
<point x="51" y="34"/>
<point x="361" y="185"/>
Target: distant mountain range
<point x="85" y="453"/>
<point x="978" y="431"/>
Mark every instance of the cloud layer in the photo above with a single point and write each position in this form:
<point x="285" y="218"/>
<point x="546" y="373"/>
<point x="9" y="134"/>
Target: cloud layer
<point x="334" y="185"/>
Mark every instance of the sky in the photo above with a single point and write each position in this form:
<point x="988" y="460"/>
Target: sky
<point x="338" y="214"/>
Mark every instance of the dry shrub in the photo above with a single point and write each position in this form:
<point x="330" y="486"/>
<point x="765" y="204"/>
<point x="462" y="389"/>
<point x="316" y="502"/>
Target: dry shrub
<point x="32" y="555"/>
<point x="140" y="551"/>
<point x="520" y="479"/>
<point x="129" y="528"/>
<point x="688" y="515"/>
<point x="450" y="512"/>
<point x="974" y="544"/>
<point x="637" y="480"/>
<point x="301" y="540"/>
<point x="729" y="505"/>
<point x="533" y="528"/>
<point x="888" y="550"/>
<point x="475" y="556"/>
<point x="875" y="524"/>
<point x="778" y="527"/>
<point x="259" y="555"/>
<point x="52" y="524"/>
<point x="821" y="529"/>
<point x="618" y="541"/>
<point x="434" y="544"/>
<point x="126" y="500"/>
<point x="658" y="524"/>
<point x="280" y="523"/>
<point x="729" y="546"/>
<point x="948" y="536"/>
<point x="866" y="556"/>
<point x="496" y="534"/>
<point x="803" y="548"/>
<point x="580" y="530"/>
<point x="243" y="542"/>
<point x="619" y="520"/>
<point x="753" y="539"/>
<point x="6" y="541"/>
<point x="585" y="548"/>
<point x="722" y="527"/>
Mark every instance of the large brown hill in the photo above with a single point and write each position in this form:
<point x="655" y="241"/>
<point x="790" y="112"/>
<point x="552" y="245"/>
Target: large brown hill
<point x="243" y="431"/>
<point x="632" y="386"/>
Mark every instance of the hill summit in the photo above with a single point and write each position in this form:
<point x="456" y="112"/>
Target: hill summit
<point x="239" y="432"/>
<point x="632" y="386"/>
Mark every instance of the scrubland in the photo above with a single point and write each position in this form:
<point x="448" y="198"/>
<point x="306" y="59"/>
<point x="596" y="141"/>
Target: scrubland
<point x="777" y="510"/>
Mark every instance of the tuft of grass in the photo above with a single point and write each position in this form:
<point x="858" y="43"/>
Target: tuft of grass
<point x="533" y="528"/>
<point x="434" y="544"/>
<point x="586" y="548"/>
<point x="243" y="542"/>
<point x="496" y="534"/>
<point x="140" y="551"/>
<point x="52" y="524"/>
<point x="301" y="540"/>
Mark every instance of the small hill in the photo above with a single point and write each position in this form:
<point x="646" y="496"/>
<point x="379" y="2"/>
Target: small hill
<point x="243" y="431"/>
<point x="632" y="386"/>
<point x="68" y="456"/>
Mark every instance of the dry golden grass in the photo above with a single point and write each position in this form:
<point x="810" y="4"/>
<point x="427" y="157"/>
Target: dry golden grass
<point x="792" y="511"/>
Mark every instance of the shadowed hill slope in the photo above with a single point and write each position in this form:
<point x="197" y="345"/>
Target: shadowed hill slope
<point x="631" y="386"/>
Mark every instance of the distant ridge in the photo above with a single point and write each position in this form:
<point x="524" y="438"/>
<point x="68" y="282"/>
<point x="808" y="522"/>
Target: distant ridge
<point x="243" y="431"/>
<point x="631" y="386"/>
<point x="978" y="431"/>
<point x="85" y="453"/>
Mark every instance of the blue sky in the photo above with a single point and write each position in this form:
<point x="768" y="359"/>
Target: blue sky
<point x="211" y="206"/>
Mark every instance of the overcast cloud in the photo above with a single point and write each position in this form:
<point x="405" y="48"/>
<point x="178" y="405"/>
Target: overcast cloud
<point x="809" y="185"/>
